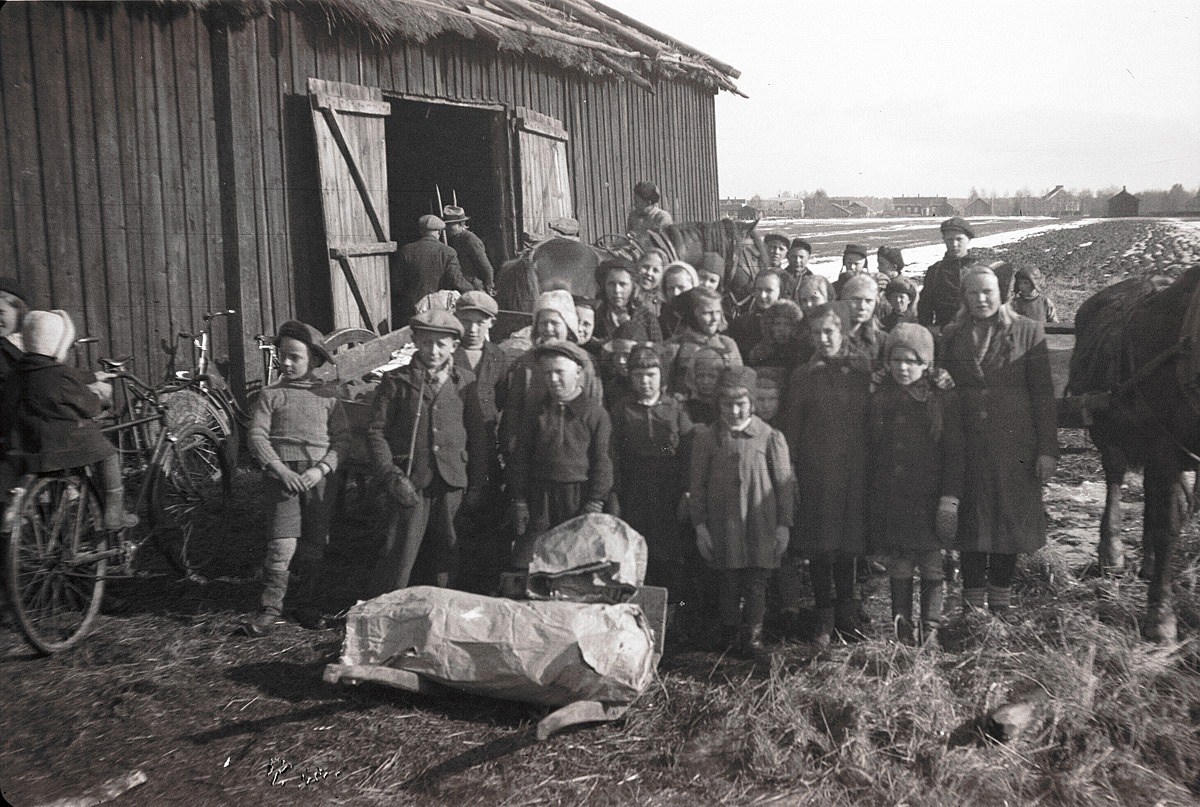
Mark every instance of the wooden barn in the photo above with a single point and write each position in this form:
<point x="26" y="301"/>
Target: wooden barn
<point x="1123" y="204"/>
<point x="978" y="207"/>
<point x="166" y="159"/>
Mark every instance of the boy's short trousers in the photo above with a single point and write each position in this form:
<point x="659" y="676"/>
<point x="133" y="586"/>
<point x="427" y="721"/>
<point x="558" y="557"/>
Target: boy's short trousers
<point x="902" y="566"/>
<point x="304" y="515"/>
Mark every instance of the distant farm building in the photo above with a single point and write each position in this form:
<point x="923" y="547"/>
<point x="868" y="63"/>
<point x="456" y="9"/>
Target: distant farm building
<point x="171" y="158"/>
<point x="978" y="207"/>
<point x="730" y="208"/>
<point x="850" y="208"/>
<point x="923" y="206"/>
<point x="1123" y="204"/>
<point x="791" y="207"/>
<point x="1060" y="202"/>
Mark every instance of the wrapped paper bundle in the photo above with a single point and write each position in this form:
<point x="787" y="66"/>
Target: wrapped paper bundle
<point x="591" y="558"/>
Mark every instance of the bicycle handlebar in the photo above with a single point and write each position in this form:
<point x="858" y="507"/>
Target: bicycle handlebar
<point x="214" y="314"/>
<point x="87" y="340"/>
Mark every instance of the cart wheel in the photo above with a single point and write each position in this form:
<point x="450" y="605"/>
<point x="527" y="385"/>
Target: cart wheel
<point x="54" y="589"/>
<point x="190" y="501"/>
<point x="344" y="338"/>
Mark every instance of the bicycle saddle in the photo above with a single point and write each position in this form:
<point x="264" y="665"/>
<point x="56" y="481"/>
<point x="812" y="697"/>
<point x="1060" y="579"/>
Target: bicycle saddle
<point x="115" y="365"/>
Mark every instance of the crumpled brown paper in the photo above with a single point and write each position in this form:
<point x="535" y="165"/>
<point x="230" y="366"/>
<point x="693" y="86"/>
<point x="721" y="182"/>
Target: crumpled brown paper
<point x="591" y="558"/>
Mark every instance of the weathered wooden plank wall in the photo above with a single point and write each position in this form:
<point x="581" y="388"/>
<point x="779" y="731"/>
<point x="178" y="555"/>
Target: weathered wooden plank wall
<point x="109" y="170"/>
<point x="156" y="164"/>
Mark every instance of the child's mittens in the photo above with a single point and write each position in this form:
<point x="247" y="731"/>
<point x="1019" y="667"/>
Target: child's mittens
<point x="704" y="542"/>
<point x="782" y="536"/>
<point x="401" y="488"/>
<point x="941" y="379"/>
<point x="520" y="517"/>
<point x="946" y="522"/>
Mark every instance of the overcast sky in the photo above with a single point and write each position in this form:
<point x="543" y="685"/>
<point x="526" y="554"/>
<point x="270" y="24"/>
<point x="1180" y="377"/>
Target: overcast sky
<point x="887" y="98"/>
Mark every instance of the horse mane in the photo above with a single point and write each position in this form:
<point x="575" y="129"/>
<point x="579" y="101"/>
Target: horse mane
<point x="517" y="284"/>
<point x="723" y="237"/>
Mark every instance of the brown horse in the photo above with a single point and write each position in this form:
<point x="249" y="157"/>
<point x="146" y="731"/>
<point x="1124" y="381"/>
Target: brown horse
<point x="565" y="264"/>
<point x="1134" y="373"/>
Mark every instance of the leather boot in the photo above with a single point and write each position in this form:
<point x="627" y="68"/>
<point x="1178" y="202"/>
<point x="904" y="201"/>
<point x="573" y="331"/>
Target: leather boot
<point x="750" y="643"/>
<point x="902" y="610"/>
<point x="825" y="623"/>
<point x="974" y="599"/>
<point x="932" y="594"/>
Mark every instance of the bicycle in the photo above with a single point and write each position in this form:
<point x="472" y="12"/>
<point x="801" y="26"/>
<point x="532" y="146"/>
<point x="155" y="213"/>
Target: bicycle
<point x="200" y="394"/>
<point x="58" y="557"/>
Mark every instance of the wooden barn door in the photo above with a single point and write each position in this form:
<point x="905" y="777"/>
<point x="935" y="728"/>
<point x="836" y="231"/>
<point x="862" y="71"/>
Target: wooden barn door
<point x="351" y="156"/>
<point x="545" y="183"/>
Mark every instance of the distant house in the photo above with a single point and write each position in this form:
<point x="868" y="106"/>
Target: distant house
<point x="1059" y="202"/>
<point x="923" y="206"/>
<point x="837" y="211"/>
<point x="852" y="208"/>
<point x="729" y="208"/>
<point x="782" y="207"/>
<point x="1123" y="204"/>
<point x="978" y="207"/>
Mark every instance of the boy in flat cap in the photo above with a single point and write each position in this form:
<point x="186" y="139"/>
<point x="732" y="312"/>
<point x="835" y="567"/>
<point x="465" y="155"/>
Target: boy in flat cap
<point x="741" y="501"/>
<point x="472" y="256"/>
<point x="561" y="466"/>
<point x="798" y="255"/>
<point x="854" y="262"/>
<point x="423" y="267"/>
<point x="426" y="437"/>
<point x="941" y="290"/>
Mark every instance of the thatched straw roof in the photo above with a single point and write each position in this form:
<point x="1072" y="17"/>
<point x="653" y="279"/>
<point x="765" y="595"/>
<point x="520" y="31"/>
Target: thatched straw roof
<point x="581" y="35"/>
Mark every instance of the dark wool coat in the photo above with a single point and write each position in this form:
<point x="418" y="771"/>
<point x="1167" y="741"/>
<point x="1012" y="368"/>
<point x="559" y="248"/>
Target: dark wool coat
<point x="747" y="331"/>
<point x="472" y="258"/>
<point x="423" y="267"/>
<point x="10" y="356"/>
<point x="868" y="340"/>
<point x="741" y="488"/>
<point x="451" y="436"/>
<point x="894" y="318"/>
<point x="642" y="325"/>
<point x="563" y="443"/>
<point x="941" y="291"/>
<point x="825" y="423"/>
<point x="54" y="414"/>
<point x="524" y="388"/>
<point x="916" y="457"/>
<point x="1009" y="419"/>
<point x="679" y="353"/>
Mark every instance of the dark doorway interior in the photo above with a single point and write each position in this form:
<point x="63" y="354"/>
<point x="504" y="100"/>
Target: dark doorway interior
<point x="462" y="150"/>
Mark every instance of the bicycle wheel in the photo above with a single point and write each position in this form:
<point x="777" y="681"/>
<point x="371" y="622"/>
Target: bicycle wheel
<point x="189" y="500"/>
<point x="187" y="406"/>
<point x="54" y="588"/>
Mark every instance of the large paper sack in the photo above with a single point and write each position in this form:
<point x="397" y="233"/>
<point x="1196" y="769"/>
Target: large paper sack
<point x="552" y="653"/>
<point x="591" y="558"/>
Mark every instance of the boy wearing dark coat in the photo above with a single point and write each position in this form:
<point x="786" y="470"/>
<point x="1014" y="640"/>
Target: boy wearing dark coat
<point x="427" y="438"/>
<point x="914" y="439"/>
<point x="561" y="466"/>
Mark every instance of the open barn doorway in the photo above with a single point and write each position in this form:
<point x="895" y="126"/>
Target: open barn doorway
<point x="461" y="150"/>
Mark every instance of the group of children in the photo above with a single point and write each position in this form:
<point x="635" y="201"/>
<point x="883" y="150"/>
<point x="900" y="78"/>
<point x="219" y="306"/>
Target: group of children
<point x="807" y="431"/>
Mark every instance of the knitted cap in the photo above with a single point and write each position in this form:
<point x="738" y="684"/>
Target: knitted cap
<point x="9" y="285"/>
<point x="892" y="255"/>
<point x="306" y="335"/>
<point x="682" y="267"/>
<point x="859" y="284"/>
<point x="910" y="336"/>
<point x="48" y="333"/>
<point x="898" y="285"/>
<point x="740" y="377"/>
<point x="854" y="249"/>
<point x="562" y="303"/>
<point x="713" y="263"/>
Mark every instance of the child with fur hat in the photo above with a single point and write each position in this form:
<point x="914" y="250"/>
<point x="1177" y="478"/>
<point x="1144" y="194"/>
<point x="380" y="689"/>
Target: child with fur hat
<point x="650" y="434"/>
<point x="560" y="466"/>
<point x="901" y="295"/>
<point x="781" y="345"/>
<point x="298" y="433"/>
<point x="54" y="410"/>
<point x="825" y="418"/>
<point x="741" y="499"/>
<point x="914" y="439"/>
<point x="1028" y="299"/>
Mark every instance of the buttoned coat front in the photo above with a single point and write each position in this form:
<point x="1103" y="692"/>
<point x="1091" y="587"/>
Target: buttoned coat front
<point x="742" y="489"/>
<point x="451" y="439"/>
<point x="1009" y="419"/>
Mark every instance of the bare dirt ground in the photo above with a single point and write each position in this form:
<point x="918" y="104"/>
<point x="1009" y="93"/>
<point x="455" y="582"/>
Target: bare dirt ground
<point x="166" y="687"/>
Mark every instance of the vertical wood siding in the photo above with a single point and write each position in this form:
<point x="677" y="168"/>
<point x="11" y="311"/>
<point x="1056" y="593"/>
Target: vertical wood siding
<point x="156" y="165"/>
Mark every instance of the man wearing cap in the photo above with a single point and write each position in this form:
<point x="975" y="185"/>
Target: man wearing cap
<point x="646" y="214"/>
<point x="940" y="293"/>
<point x="485" y="556"/>
<point x="423" y="267"/>
<point x="472" y="256"/>
<point x="426" y="438"/>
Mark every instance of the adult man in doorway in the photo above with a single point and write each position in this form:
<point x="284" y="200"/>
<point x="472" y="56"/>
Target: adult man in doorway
<point x="941" y="292"/>
<point x="472" y="256"/>
<point x="423" y="267"/>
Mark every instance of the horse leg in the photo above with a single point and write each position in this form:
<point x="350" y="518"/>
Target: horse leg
<point x="1111" y="550"/>
<point x="1166" y="508"/>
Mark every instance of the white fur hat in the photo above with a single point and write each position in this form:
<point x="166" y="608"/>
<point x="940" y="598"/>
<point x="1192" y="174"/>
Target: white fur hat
<point x="562" y="303"/>
<point x="48" y="333"/>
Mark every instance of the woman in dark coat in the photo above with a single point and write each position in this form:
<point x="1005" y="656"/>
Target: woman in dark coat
<point x="1001" y="368"/>
<point x="825" y="422"/>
